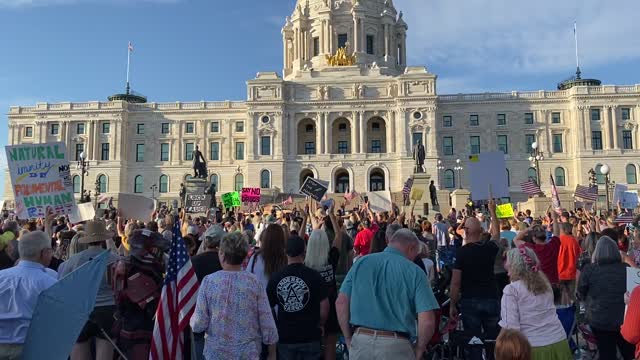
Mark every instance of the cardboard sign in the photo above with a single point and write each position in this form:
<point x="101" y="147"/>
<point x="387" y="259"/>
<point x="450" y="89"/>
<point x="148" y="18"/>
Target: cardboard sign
<point x="488" y="170"/>
<point x="196" y="204"/>
<point x="504" y="211"/>
<point x="135" y="207"/>
<point x="416" y="193"/>
<point x="629" y="199"/>
<point x="231" y="199"/>
<point x="83" y="212"/>
<point x="380" y="201"/>
<point x="314" y="188"/>
<point x="41" y="179"/>
<point x="617" y="193"/>
<point x="250" y="195"/>
<point x="633" y="279"/>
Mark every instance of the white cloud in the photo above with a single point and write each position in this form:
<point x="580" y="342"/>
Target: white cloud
<point x="511" y="37"/>
<point x="16" y="4"/>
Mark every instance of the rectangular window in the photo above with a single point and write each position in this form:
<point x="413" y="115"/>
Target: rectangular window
<point x="375" y="126"/>
<point x="474" y="120"/>
<point x="139" y="152"/>
<point x="55" y="129"/>
<point x="189" y="128"/>
<point x="106" y="128"/>
<point x="343" y="147"/>
<point x="188" y="151"/>
<point x="165" y="128"/>
<point x="265" y="145"/>
<point x="105" y="152"/>
<point x="557" y="143"/>
<point x="239" y="151"/>
<point x="447" y="145"/>
<point x="215" y="127"/>
<point x="503" y="144"/>
<point x="342" y="40"/>
<point x="240" y="126"/>
<point x="28" y="131"/>
<point x="626" y="113"/>
<point x="528" y="118"/>
<point x="80" y="128"/>
<point x="215" y="151"/>
<point x="140" y="129"/>
<point x="309" y="148"/>
<point x="79" y="150"/>
<point x="555" y="118"/>
<point x="595" y="114"/>
<point x="376" y="146"/>
<point x="416" y="137"/>
<point x="447" y="121"/>
<point x="502" y="119"/>
<point x="627" y="140"/>
<point x="596" y="140"/>
<point x="164" y="152"/>
<point x="475" y="145"/>
<point x="528" y="140"/>
<point x="316" y="46"/>
<point x="370" y="42"/>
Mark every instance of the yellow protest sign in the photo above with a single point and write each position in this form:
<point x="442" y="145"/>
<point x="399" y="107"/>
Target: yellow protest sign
<point x="504" y="211"/>
<point x="416" y="194"/>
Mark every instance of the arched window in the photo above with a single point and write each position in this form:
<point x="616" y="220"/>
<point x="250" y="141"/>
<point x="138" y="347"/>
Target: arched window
<point x="214" y="180"/>
<point x="508" y="178"/>
<point x="239" y="182"/>
<point x="600" y="178"/>
<point x="632" y="176"/>
<point x="76" y="184"/>
<point x="102" y="180"/>
<point x="449" y="179"/>
<point x="265" y="179"/>
<point x="376" y="180"/>
<point x="532" y="174"/>
<point x="138" y="184"/>
<point x="164" y="184"/>
<point x="342" y="181"/>
<point x="560" y="178"/>
<point x="304" y="175"/>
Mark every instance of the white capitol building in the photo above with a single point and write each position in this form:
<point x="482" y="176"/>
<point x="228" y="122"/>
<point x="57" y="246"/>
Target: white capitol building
<point x="348" y="117"/>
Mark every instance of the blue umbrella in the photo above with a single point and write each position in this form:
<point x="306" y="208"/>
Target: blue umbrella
<point x="62" y="310"/>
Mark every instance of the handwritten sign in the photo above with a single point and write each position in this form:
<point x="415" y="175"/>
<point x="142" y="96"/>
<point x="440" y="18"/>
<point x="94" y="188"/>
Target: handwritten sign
<point x="416" y="193"/>
<point x="314" y="188"/>
<point x="196" y="204"/>
<point x="504" y="211"/>
<point x="633" y="279"/>
<point x="231" y="200"/>
<point x="250" y="195"/>
<point x="41" y="179"/>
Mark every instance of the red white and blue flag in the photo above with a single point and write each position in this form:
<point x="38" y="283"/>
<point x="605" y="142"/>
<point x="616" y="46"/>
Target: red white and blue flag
<point x="587" y="193"/>
<point x="530" y="187"/>
<point x="130" y="47"/>
<point x="555" y="199"/>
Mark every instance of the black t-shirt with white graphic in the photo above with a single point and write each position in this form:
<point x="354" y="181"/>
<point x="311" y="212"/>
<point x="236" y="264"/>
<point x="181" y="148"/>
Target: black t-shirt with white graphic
<point x="298" y="291"/>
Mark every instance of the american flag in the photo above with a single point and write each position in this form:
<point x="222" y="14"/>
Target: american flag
<point x="555" y="199"/>
<point x="530" y="187"/>
<point x="177" y="302"/>
<point x="406" y="190"/>
<point x="587" y="193"/>
<point x="289" y="201"/>
<point x="350" y="195"/>
<point x="626" y="218"/>
<point x="130" y="47"/>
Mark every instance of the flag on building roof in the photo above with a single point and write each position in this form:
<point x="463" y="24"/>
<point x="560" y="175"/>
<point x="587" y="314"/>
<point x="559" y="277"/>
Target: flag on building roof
<point x="130" y="46"/>
<point x="177" y="302"/>
<point x="587" y="193"/>
<point x="530" y="187"/>
<point x="555" y="199"/>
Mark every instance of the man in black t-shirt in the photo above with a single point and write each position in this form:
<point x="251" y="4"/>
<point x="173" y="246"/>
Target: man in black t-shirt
<point x="303" y="306"/>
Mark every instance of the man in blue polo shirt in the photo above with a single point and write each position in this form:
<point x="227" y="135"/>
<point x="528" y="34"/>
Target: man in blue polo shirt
<point x="380" y="298"/>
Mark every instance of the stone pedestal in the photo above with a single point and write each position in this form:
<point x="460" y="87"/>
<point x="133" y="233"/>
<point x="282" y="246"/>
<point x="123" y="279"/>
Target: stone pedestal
<point x="423" y="205"/>
<point x="538" y="205"/>
<point x="444" y="202"/>
<point x="460" y="198"/>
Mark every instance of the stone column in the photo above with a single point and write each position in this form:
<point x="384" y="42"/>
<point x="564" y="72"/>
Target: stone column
<point x="614" y="125"/>
<point x="391" y="116"/>
<point x="320" y="130"/>
<point x="327" y="133"/>
<point x="587" y="125"/>
<point x="388" y="127"/>
<point x="362" y="125"/>
<point x="354" y="132"/>
<point x="402" y="132"/>
<point x="277" y="138"/>
<point x="606" y="130"/>
<point x="115" y="149"/>
<point x="386" y="40"/>
<point x="356" y="35"/>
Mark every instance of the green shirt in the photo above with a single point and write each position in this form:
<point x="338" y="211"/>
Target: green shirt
<point x="387" y="291"/>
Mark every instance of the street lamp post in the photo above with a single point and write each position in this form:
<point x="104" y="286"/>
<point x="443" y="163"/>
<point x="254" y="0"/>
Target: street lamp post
<point x="458" y="168"/>
<point x="440" y="168"/>
<point x="535" y="158"/>
<point x="83" y="166"/>
<point x="153" y="189"/>
<point x="593" y="178"/>
<point x="97" y="193"/>
<point x="608" y="184"/>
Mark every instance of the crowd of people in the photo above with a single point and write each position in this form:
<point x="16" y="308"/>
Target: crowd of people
<point x="291" y="284"/>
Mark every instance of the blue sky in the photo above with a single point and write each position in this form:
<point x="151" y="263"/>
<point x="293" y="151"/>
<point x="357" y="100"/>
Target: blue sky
<point x="191" y="50"/>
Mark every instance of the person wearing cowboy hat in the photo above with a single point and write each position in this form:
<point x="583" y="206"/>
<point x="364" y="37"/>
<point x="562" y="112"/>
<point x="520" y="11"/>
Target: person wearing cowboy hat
<point x="95" y="237"/>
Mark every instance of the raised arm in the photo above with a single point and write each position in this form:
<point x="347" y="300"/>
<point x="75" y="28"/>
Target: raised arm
<point x="495" y="226"/>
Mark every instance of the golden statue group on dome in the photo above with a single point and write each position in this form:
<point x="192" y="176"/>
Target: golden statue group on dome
<point x="341" y="58"/>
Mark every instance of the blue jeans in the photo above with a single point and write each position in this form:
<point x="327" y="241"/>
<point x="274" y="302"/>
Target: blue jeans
<point x="303" y="351"/>
<point x="198" y="341"/>
<point x="480" y="318"/>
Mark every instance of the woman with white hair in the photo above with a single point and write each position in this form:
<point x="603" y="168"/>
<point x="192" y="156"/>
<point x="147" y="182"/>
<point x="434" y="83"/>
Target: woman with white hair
<point x="527" y="306"/>
<point x="602" y="285"/>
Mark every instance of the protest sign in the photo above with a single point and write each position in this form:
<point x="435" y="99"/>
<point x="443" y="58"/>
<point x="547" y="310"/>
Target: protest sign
<point x="380" y="201"/>
<point x="633" y="278"/>
<point x="504" y="211"/>
<point x="314" y="188"/>
<point x="327" y="203"/>
<point x="83" y="212"/>
<point x="41" y="179"/>
<point x="416" y="193"/>
<point x="250" y="195"/>
<point x="488" y="170"/>
<point x="231" y="199"/>
<point x="136" y="207"/>
<point x="629" y="199"/>
<point x="196" y="204"/>
<point x="618" y="191"/>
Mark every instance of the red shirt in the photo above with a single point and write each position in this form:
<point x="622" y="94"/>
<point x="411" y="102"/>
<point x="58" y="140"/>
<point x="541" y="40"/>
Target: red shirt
<point x="568" y="257"/>
<point x="362" y="243"/>
<point x="548" y="256"/>
<point x="631" y="327"/>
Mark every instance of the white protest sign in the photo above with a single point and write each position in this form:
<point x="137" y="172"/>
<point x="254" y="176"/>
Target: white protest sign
<point x="1" y="205"/>
<point x="633" y="278"/>
<point x="135" y="207"/>
<point x="488" y="170"/>
<point x="84" y="212"/>
<point x="629" y="199"/>
<point x="618" y="191"/>
<point x="380" y="201"/>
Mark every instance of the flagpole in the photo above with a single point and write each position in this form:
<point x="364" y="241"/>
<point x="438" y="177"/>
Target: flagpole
<point x="128" y="65"/>
<point x="575" y="35"/>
